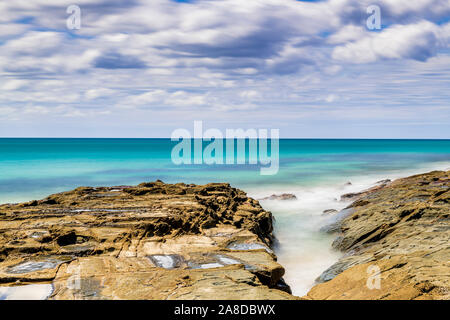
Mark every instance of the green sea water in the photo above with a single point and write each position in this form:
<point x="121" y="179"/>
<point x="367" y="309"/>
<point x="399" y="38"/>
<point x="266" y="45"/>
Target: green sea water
<point x="316" y="171"/>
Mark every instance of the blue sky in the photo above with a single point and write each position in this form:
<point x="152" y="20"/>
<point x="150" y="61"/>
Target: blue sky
<point x="145" y="68"/>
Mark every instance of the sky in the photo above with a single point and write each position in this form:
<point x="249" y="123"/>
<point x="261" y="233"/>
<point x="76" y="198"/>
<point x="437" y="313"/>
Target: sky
<point x="143" y="68"/>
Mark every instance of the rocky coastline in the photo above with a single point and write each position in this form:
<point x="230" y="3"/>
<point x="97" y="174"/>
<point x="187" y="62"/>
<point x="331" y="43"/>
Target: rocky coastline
<point x="179" y="241"/>
<point x="151" y="241"/>
<point x="397" y="234"/>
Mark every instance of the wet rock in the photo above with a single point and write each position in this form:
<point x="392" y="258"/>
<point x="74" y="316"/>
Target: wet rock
<point x="400" y="228"/>
<point x="151" y="241"/>
<point x="329" y="212"/>
<point x="41" y="236"/>
<point x="170" y="261"/>
<point x="31" y="266"/>
<point x="248" y="246"/>
<point x="261" y="263"/>
<point x="335" y="222"/>
<point x="283" y="286"/>
<point x="133" y="278"/>
<point x="353" y="196"/>
<point x="283" y="196"/>
<point x="227" y="260"/>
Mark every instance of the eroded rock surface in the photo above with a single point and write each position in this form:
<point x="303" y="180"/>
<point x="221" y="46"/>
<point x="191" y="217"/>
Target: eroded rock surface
<point x="358" y="195"/>
<point x="401" y="229"/>
<point x="152" y="241"/>
<point x="283" y="196"/>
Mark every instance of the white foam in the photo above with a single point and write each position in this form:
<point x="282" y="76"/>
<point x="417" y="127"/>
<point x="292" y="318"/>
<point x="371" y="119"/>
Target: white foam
<point x="303" y="250"/>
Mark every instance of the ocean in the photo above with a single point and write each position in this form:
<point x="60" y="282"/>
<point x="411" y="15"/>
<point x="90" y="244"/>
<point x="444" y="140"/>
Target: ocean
<point x="316" y="171"/>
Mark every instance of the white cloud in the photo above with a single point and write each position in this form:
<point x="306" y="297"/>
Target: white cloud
<point x="331" y="98"/>
<point x="4" y="111"/>
<point x="167" y="61"/>
<point x="250" y="94"/>
<point x="184" y="99"/>
<point x="146" y="98"/>
<point x="14" y="84"/>
<point x="12" y="29"/>
<point x="415" y="41"/>
<point x="36" y="110"/>
<point x="347" y="33"/>
<point x="98" y="92"/>
<point x="35" y="43"/>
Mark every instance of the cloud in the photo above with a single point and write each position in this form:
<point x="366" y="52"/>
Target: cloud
<point x="34" y="43"/>
<point x="118" y="61"/>
<point x="8" y="30"/>
<point x="147" y="98"/>
<point x="14" y="84"/>
<point x="415" y="41"/>
<point x="231" y="36"/>
<point x="250" y="94"/>
<point x="184" y="99"/>
<point x="347" y="33"/>
<point x="412" y="10"/>
<point x="98" y="93"/>
<point x="258" y="61"/>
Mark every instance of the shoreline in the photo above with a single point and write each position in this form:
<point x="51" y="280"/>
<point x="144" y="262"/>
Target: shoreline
<point x="231" y="243"/>
<point x="303" y="268"/>
<point x="394" y="242"/>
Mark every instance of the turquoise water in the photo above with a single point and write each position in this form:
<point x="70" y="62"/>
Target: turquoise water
<point x="316" y="171"/>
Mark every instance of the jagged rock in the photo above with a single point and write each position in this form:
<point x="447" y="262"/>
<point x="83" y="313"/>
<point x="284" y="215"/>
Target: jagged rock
<point x="334" y="225"/>
<point x="151" y="241"/>
<point x="402" y="229"/>
<point x="383" y="182"/>
<point x="358" y="195"/>
<point x="283" y="196"/>
<point x="329" y="212"/>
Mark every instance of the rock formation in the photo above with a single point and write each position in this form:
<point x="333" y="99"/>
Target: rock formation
<point x="328" y="212"/>
<point x="283" y="196"/>
<point x="152" y="241"/>
<point x="399" y="234"/>
<point x="179" y="241"/>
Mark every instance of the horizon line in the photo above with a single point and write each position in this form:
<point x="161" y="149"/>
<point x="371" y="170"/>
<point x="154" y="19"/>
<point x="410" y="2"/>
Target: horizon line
<point x="169" y="138"/>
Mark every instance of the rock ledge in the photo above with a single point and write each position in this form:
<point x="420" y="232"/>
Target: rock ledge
<point x="400" y="230"/>
<point x="151" y="241"/>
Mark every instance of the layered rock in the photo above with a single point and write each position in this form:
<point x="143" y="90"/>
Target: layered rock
<point x="152" y="241"/>
<point x="357" y="195"/>
<point x="397" y="233"/>
<point x="283" y="196"/>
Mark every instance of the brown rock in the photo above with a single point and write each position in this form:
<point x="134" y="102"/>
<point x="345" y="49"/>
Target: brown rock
<point x="357" y="195"/>
<point x="283" y="196"/>
<point x="151" y="241"/>
<point x="329" y="212"/>
<point x="401" y="228"/>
